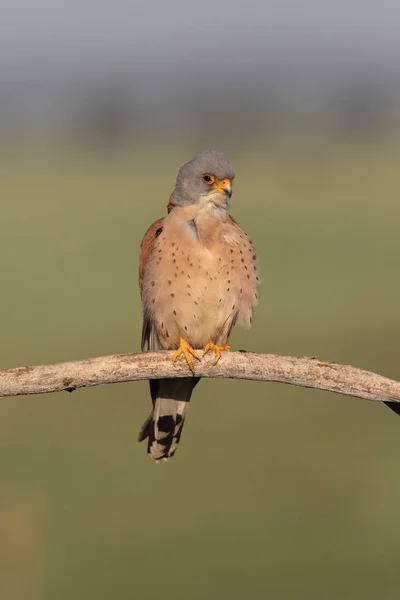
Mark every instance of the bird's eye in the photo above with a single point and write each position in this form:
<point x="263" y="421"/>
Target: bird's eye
<point x="208" y="178"/>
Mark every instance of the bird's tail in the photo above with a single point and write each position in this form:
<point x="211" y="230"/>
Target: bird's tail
<point x="164" y="425"/>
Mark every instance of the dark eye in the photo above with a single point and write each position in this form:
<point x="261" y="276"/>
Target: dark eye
<point x="208" y="178"/>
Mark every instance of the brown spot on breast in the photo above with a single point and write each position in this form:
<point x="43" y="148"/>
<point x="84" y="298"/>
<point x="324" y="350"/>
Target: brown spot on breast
<point x="169" y="282"/>
<point x="175" y="312"/>
<point x="172" y="295"/>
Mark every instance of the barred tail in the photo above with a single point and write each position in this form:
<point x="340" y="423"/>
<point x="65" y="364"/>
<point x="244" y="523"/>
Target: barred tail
<point x="164" y="425"/>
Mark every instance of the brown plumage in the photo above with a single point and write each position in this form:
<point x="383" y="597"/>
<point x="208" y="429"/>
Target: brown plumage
<point x="197" y="277"/>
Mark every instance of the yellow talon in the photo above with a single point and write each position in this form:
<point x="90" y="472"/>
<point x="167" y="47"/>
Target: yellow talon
<point x="185" y="349"/>
<point x="217" y="349"/>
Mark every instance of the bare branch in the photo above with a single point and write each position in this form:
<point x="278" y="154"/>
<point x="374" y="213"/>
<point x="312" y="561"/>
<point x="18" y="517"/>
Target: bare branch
<point x="302" y="371"/>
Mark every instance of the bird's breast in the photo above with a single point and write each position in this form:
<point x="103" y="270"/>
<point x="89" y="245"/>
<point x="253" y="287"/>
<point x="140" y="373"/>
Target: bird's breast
<point x="199" y="279"/>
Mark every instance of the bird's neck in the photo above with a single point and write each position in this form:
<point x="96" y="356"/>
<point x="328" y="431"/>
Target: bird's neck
<point x="200" y="211"/>
<point x="199" y="222"/>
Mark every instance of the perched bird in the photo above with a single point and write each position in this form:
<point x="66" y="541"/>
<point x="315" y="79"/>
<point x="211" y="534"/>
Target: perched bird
<point x="197" y="277"/>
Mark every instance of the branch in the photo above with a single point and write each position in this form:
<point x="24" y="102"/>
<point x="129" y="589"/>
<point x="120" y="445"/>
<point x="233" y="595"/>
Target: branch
<point x="301" y="370"/>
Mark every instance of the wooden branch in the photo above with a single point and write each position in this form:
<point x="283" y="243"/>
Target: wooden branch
<point x="303" y="371"/>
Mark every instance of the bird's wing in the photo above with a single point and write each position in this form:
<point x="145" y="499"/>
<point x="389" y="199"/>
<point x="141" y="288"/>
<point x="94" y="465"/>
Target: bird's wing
<point x="146" y="249"/>
<point x="170" y="398"/>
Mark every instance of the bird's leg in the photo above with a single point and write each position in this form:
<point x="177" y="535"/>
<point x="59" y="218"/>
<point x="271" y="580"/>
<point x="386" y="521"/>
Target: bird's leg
<point x="215" y="348"/>
<point x="185" y="349"/>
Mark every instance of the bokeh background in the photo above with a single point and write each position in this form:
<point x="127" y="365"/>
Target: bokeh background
<point x="275" y="491"/>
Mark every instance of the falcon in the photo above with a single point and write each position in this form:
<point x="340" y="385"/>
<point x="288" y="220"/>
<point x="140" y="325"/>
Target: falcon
<point x="197" y="278"/>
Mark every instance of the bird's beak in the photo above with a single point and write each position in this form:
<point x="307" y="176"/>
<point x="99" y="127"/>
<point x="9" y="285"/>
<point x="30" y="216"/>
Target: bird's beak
<point x="224" y="186"/>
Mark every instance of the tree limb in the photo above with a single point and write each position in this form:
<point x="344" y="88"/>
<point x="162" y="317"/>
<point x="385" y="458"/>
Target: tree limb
<point x="303" y="371"/>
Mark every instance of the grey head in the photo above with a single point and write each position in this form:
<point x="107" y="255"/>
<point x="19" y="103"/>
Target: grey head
<point x="208" y="175"/>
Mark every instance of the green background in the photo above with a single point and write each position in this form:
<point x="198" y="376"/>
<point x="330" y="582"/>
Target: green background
<point x="275" y="491"/>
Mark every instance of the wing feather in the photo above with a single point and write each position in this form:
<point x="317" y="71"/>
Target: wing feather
<point x="146" y="249"/>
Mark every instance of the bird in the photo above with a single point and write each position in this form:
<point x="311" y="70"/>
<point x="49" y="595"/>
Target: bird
<point x="198" y="277"/>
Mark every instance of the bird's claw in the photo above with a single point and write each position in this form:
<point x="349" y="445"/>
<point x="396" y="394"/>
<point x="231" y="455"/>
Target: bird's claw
<point x="187" y="351"/>
<point x="215" y="348"/>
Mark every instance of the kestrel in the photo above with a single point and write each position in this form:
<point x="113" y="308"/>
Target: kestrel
<point x="197" y="277"/>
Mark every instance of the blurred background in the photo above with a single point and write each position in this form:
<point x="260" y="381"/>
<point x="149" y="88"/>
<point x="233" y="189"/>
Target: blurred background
<point x="275" y="491"/>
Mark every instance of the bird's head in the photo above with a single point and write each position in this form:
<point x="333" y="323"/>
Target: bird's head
<point x="207" y="178"/>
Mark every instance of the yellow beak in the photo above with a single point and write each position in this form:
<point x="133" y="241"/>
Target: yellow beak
<point x="224" y="187"/>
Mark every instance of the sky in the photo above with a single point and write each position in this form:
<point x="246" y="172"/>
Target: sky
<point x="47" y="34"/>
<point x="26" y="19"/>
<point x="171" y="50"/>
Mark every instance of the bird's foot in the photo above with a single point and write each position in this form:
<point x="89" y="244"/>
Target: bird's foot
<point x="187" y="351"/>
<point x="217" y="349"/>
